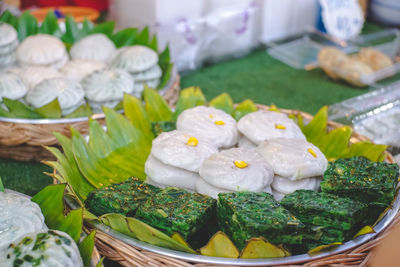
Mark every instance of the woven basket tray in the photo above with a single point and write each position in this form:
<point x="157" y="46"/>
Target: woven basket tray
<point x="128" y="255"/>
<point x="25" y="141"/>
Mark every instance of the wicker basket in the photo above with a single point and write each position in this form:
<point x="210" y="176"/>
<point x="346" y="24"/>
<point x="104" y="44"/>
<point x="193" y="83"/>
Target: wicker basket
<point x="128" y="255"/>
<point x="25" y="141"/>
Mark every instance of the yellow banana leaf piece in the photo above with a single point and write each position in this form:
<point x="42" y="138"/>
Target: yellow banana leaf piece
<point x="180" y="239"/>
<point x="220" y="246"/>
<point x="223" y="102"/>
<point x="323" y="248"/>
<point x="257" y="248"/>
<point x="364" y="231"/>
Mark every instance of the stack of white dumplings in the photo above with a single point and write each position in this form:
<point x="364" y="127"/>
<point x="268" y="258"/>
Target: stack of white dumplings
<point x="94" y="71"/>
<point x="22" y="226"/>
<point x="8" y="44"/>
<point x="210" y="153"/>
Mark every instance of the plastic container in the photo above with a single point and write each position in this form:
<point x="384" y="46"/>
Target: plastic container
<point x="375" y="115"/>
<point x="301" y="51"/>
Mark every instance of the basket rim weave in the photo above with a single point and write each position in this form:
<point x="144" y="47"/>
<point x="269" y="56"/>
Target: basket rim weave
<point x="127" y="255"/>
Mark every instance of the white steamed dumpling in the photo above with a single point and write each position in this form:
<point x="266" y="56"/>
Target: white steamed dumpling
<point x="79" y="68"/>
<point x="264" y="125"/>
<point x="182" y="150"/>
<point x="7" y="49"/>
<point x="154" y="73"/>
<point x="93" y="47"/>
<point x="56" y="249"/>
<point x="19" y="216"/>
<point x="237" y="169"/>
<point x="294" y="159"/>
<point x="32" y="76"/>
<point x="12" y="86"/>
<point x="135" y="58"/>
<point x="8" y="60"/>
<point x="69" y="93"/>
<point x="285" y="186"/>
<point x="8" y="34"/>
<point x="246" y="143"/>
<point x="210" y="123"/>
<point x="42" y="49"/>
<point x="278" y="196"/>
<point x="107" y="85"/>
<point x="167" y="175"/>
<point x="205" y="188"/>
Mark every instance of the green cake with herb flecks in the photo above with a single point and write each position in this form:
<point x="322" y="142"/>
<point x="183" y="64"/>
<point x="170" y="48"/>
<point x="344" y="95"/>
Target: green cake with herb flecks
<point x="243" y="215"/>
<point x="323" y="209"/>
<point x="123" y="198"/>
<point x="361" y="179"/>
<point x="176" y="210"/>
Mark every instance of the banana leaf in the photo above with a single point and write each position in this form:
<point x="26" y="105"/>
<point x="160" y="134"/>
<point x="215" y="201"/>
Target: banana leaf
<point x="135" y="228"/>
<point x="1" y="186"/>
<point x="223" y="102"/>
<point x="156" y="107"/>
<point x="17" y="109"/>
<point x="189" y="98"/>
<point x="86" y="248"/>
<point x="27" y="25"/>
<point x="220" y="246"/>
<point x="50" y="110"/>
<point x="50" y="25"/>
<point x="247" y="106"/>
<point x="9" y="18"/>
<point x="50" y="200"/>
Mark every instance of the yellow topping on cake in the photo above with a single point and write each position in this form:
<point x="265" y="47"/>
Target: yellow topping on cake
<point x="312" y="152"/>
<point x="280" y="126"/>
<point x="240" y="164"/>
<point x="219" y="122"/>
<point x="192" y="141"/>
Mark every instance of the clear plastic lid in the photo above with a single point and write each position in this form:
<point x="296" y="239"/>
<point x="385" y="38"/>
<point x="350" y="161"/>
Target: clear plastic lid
<point x="375" y="115"/>
<point x="301" y="51"/>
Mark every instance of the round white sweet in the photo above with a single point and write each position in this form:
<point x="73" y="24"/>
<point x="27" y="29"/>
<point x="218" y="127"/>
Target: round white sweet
<point x="7" y="60"/>
<point x="32" y="76"/>
<point x="11" y="86"/>
<point x="107" y="85"/>
<point x="79" y="68"/>
<point x="19" y="216"/>
<point x="154" y="73"/>
<point x="69" y="93"/>
<point x="172" y="148"/>
<point x="56" y="249"/>
<point x="6" y="49"/>
<point x="294" y="159"/>
<point x="135" y="59"/>
<point x="285" y="186"/>
<point x="168" y="175"/>
<point x="41" y="49"/>
<point x="210" y="123"/>
<point x="7" y="34"/>
<point x="221" y="170"/>
<point x="277" y="195"/>
<point x="205" y="188"/>
<point x="244" y="142"/>
<point x="263" y="125"/>
<point x="60" y="63"/>
<point x="93" y="47"/>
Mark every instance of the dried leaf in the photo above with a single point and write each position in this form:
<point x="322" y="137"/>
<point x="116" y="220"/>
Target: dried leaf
<point x="323" y="248"/>
<point x="364" y="231"/>
<point x="220" y="246"/>
<point x="257" y="248"/>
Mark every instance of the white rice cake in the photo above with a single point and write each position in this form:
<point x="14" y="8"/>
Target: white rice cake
<point x="264" y="125"/>
<point x="93" y="47"/>
<point x="237" y="169"/>
<point x="209" y="123"/>
<point x="167" y="175"/>
<point x="294" y="159"/>
<point x="182" y="150"/>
